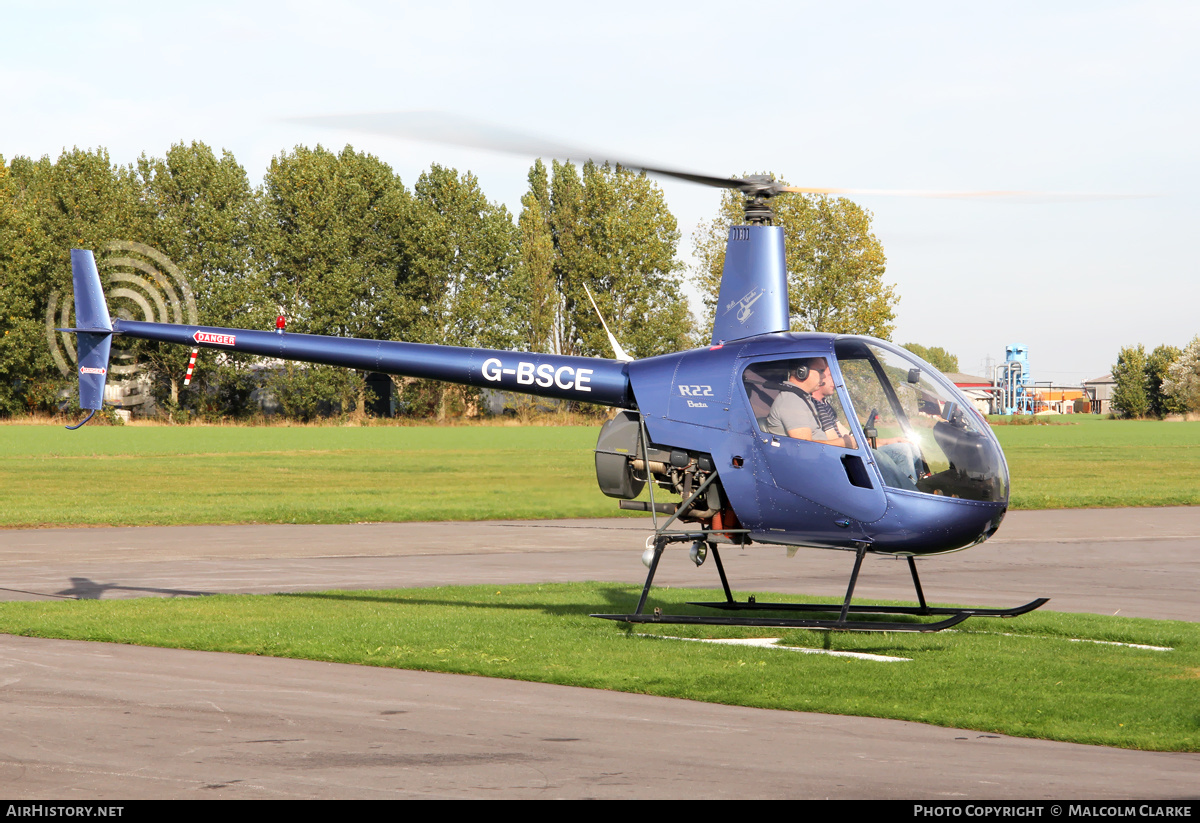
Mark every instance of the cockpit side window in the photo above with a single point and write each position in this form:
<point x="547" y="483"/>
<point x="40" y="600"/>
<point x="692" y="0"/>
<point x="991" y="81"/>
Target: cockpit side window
<point x="795" y="398"/>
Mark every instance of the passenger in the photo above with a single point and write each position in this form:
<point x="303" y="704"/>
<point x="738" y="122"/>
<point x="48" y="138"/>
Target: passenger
<point x="795" y="412"/>
<point x="898" y="459"/>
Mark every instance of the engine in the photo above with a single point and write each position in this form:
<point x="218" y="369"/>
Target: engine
<point x="625" y="464"/>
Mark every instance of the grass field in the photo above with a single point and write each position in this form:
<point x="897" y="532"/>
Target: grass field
<point x="1103" y="463"/>
<point x="178" y="475"/>
<point x="1024" y="677"/>
<point x="160" y="475"/>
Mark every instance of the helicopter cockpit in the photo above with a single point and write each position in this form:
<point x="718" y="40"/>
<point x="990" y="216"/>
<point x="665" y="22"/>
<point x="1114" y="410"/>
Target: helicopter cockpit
<point x="921" y="433"/>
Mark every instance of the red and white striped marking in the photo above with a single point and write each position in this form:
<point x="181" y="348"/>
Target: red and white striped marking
<point x="191" y="367"/>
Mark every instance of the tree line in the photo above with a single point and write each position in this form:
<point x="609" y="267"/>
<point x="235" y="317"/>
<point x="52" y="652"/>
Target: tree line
<point x="341" y="246"/>
<point x="1166" y="381"/>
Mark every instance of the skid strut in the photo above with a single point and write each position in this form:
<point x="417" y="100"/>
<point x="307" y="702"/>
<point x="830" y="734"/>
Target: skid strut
<point x="953" y="616"/>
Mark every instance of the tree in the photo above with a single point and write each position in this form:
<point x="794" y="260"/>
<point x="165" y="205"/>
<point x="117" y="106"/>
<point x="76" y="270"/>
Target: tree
<point x="1129" y="396"/>
<point x="612" y="233"/>
<point x="936" y="356"/>
<point x="460" y="254"/>
<point x="460" y="258"/>
<point x="27" y="375"/>
<point x="1157" y="364"/>
<point x="535" y="272"/>
<point x="1182" y="384"/>
<point x="82" y="201"/>
<point x="330" y="240"/>
<point x="204" y="214"/>
<point x="835" y="264"/>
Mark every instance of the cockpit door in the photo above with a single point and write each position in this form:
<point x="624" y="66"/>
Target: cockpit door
<point x="835" y="476"/>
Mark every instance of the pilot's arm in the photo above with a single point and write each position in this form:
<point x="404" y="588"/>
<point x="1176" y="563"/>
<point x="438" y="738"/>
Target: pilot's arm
<point x="837" y="437"/>
<point x="833" y="437"/>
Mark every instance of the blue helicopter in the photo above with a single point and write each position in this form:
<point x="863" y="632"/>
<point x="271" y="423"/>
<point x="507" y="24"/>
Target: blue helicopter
<point x="765" y="436"/>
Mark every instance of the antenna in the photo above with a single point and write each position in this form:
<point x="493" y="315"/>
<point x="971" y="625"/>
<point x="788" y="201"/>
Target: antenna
<point x="612" y="341"/>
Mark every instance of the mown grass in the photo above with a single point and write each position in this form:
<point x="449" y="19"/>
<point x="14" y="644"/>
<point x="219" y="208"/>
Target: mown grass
<point x="186" y="475"/>
<point x="138" y="475"/>
<point x="1099" y="463"/>
<point x="1021" y="677"/>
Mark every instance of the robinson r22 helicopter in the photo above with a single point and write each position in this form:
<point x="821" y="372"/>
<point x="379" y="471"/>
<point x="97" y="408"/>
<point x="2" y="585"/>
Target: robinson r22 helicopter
<point x="914" y="470"/>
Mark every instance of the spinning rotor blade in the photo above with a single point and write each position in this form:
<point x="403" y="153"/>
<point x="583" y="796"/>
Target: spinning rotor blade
<point x="1031" y="196"/>
<point x="442" y="127"/>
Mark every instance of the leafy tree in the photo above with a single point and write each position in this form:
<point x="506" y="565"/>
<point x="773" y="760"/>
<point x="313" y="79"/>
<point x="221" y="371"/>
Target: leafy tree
<point x="1129" y="395"/>
<point x="205" y="212"/>
<point x="82" y="200"/>
<point x="1157" y="364"/>
<point x="936" y="356"/>
<point x="461" y="260"/>
<point x="612" y="232"/>
<point x="1182" y="384"/>
<point x="835" y="264"/>
<point x="27" y="375"/>
<point x="330" y="241"/>
<point x="535" y="273"/>
<point x="460" y="255"/>
<point x="568" y="231"/>
<point x="630" y="266"/>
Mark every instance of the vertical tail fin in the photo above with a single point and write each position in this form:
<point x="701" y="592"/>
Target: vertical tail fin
<point x="754" y="294"/>
<point x="93" y="329"/>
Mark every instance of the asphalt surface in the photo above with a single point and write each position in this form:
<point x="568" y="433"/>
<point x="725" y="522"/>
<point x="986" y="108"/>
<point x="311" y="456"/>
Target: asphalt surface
<point x="100" y="721"/>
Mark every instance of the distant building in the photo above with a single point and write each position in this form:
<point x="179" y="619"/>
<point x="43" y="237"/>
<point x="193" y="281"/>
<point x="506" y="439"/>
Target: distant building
<point x="977" y="389"/>
<point x="1101" y="391"/>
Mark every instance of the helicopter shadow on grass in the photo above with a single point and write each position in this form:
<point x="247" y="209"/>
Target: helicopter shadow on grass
<point x="83" y="588"/>
<point x="614" y="598"/>
<point x="610" y="596"/>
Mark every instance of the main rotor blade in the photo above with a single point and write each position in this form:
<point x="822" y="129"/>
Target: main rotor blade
<point x="441" y="127"/>
<point x="1033" y="196"/>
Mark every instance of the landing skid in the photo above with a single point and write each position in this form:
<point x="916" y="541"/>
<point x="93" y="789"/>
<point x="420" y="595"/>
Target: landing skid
<point x="913" y="610"/>
<point x="953" y="616"/>
<point x="788" y="623"/>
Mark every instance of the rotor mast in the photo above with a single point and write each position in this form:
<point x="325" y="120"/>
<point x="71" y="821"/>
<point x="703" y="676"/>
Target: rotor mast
<point x="759" y="189"/>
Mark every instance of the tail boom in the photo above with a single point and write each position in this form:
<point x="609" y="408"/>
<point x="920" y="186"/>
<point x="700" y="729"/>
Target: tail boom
<point x="588" y="379"/>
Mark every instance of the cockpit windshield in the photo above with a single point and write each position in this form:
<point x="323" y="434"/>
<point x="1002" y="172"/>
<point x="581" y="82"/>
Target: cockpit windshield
<point x="925" y="436"/>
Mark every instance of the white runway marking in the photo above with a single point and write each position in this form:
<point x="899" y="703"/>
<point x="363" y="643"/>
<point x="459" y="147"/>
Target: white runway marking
<point x="1082" y="640"/>
<point x="769" y="643"/>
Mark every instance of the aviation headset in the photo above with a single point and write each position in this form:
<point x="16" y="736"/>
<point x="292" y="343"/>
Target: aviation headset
<point x="801" y="369"/>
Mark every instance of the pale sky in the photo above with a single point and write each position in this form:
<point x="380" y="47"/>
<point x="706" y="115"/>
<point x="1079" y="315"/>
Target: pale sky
<point x="1089" y="98"/>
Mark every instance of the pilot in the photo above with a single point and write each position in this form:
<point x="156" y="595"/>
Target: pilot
<point x="796" y="413"/>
